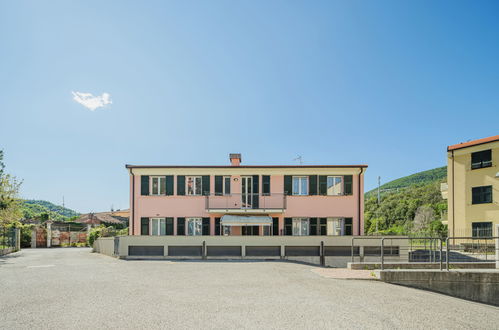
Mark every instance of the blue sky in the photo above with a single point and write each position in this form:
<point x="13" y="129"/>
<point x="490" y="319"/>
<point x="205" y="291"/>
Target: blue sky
<point x="386" y="83"/>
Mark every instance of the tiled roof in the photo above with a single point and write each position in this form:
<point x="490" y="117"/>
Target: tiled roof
<point x="245" y="166"/>
<point x="473" y="143"/>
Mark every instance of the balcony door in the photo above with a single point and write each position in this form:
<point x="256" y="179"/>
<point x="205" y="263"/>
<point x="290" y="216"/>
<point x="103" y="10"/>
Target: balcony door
<point x="247" y="192"/>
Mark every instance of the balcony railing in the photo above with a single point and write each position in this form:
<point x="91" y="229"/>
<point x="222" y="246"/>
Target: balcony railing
<point x="246" y="202"/>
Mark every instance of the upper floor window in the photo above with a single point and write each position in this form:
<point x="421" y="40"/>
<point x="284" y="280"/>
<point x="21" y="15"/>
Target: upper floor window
<point x="481" y="195"/>
<point x="194" y="185"/>
<point x="335" y="185"/>
<point x="226" y="185"/>
<point x="301" y="226"/>
<point x="481" y="229"/>
<point x="300" y="185"/>
<point x="194" y="226"/>
<point x="158" y="185"/>
<point x="481" y="159"/>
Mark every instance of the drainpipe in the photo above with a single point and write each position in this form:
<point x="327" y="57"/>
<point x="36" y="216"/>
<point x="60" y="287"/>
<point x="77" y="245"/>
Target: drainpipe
<point x="453" y="198"/>
<point x="359" y="210"/>
<point x="132" y="207"/>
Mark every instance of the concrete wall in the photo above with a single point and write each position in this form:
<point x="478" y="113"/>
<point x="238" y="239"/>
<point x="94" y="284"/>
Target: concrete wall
<point x="246" y="241"/>
<point x="104" y="245"/>
<point x="481" y="286"/>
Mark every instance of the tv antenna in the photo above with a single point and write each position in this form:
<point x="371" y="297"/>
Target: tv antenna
<point x="299" y="159"/>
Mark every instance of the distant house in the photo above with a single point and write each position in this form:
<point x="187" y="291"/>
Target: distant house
<point x="114" y="218"/>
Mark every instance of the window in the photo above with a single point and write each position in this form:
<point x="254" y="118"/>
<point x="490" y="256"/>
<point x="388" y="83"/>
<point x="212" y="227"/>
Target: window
<point x="266" y="185"/>
<point x="301" y="226"/>
<point x="335" y="185"/>
<point x="481" y="229"/>
<point x="481" y="159"/>
<point x="226" y="185"/>
<point x="194" y="226"/>
<point x="481" y="195"/>
<point x="335" y="226"/>
<point x="158" y="185"/>
<point x="300" y="185"/>
<point x="158" y="226"/>
<point x="194" y="185"/>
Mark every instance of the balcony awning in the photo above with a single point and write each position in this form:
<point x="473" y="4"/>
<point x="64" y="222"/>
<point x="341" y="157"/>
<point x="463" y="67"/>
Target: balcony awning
<point x="241" y="220"/>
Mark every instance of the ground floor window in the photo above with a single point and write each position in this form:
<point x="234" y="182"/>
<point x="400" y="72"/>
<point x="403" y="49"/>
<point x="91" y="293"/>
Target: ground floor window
<point x="301" y="226"/>
<point x="194" y="226"/>
<point x="481" y="229"/>
<point x="158" y="226"/>
<point x="336" y="226"/>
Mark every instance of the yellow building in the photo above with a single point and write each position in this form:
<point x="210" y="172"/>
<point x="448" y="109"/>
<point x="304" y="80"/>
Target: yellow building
<point x="473" y="187"/>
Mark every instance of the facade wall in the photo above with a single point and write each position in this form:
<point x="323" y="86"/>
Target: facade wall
<point x="296" y="206"/>
<point x="461" y="179"/>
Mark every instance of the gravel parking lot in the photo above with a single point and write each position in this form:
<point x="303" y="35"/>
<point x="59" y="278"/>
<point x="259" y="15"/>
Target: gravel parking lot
<point x="74" y="288"/>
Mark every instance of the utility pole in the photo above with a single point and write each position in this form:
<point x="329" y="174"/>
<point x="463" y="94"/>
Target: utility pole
<point x="63" y="201"/>
<point x="379" y="202"/>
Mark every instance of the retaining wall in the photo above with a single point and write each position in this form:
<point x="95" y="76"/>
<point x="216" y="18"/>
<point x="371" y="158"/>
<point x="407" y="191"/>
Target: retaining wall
<point x="104" y="245"/>
<point x="476" y="285"/>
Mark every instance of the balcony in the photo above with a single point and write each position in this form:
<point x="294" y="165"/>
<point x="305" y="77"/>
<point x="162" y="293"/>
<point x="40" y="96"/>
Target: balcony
<point x="246" y="203"/>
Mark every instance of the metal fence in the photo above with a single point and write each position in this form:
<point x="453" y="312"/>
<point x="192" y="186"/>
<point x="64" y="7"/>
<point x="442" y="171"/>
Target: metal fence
<point x="8" y="240"/>
<point x="427" y="252"/>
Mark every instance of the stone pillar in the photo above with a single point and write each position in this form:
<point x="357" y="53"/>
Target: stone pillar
<point x="49" y="234"/>
<point x="33" y="238"/>
<point x="18" y="239"/>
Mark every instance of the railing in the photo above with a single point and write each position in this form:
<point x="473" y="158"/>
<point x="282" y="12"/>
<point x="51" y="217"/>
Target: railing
<point x="429" y="252"/>
<point x="238" y="201"/>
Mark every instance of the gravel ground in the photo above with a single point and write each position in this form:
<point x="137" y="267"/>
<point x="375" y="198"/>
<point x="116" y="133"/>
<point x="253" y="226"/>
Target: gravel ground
<point x="73" y="288"/>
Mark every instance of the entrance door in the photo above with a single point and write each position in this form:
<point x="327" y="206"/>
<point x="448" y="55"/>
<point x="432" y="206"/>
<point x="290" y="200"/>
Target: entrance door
<point x="247" y="192"/>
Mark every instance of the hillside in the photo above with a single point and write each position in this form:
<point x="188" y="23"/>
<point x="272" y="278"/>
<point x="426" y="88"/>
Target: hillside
<point x="438" y="174"/>
<point x="35" y="208"/>
<point x="409" y="205"/>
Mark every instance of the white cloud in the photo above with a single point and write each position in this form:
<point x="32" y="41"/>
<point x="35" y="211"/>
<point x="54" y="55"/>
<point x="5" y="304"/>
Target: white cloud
<point x="92" y="102"/>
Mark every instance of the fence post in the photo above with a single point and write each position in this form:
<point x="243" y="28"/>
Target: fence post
<point x="204" y="250"/>
<point x="352" y="249"/>
<point x="323" y="259"/>
<point x="447" y="253"/>
<point x="18" y="239"/>
<point x="382" y="253"/>
<point x="441" y="261"/>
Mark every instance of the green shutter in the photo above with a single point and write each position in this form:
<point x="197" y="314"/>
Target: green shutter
<point x="219" y="185"/>
<point x="206" y="226"/>
<point x="266" y="185"/>
<point x="169" y="226"/>
<point x="180" y="226"/>
<point x="217" y="226"/>
<point x="322" y="184"/>
<point x="205" y="185"/>
<point x="144" y="185"/>
<point x="144" y="226"/>
<point x="180" y="185"/>
<point x="288" y="184"/>
<point x="275" y="226"/>
<point x="312" y="184"/>
<point x="256" y="185"/>
<point x="348" y="184"/>
<point x="169" y="185"/>
<point x="288" y="226"/>
<point x="348" y="226"/>
<point x="313" y="227"/>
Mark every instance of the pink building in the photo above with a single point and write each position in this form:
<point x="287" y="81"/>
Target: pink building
<point x="236" y="200"/>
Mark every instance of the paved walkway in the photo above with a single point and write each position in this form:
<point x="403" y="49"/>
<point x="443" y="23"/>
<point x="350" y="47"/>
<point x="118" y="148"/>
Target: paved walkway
<point x="73" y="288"/>
<point x="345" y="274"/>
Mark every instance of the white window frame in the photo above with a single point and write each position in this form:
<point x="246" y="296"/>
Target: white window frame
<point x="160" y="179"/>
<point x="341" y="192"/>
<point x="335" y="225"/>
<point x="194" y="185"/>
<point x="226" y="177"/>
<point x="159" y="221"/>
<point x="297" y="226"/>
<point x="300" y="191"/>
<point x="197" y="226"/>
